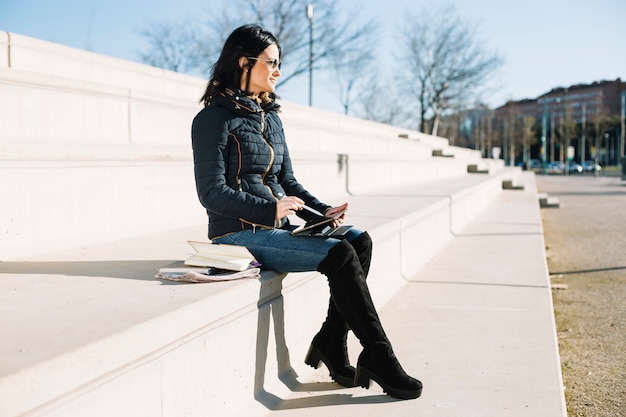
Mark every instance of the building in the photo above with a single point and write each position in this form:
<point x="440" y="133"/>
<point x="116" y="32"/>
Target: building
<point x="585" y="116"/>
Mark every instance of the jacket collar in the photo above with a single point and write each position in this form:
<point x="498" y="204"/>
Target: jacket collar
<point x="237" y="101"/>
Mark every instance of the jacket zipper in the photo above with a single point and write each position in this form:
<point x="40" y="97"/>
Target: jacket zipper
<point x="269" y="166"/>
<point x="237" y="179"/>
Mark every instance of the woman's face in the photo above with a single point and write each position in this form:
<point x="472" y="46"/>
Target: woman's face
<point x="264" y="73"/>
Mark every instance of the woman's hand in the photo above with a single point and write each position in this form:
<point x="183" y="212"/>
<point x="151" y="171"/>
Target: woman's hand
<point x="288" y="205"/>
<point x="333" y="211"/>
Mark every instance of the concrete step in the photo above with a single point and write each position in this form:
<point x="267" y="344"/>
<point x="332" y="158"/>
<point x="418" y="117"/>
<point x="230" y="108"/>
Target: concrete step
<point x="114" y="149"/>
<point x="87" y="325"/>
<point x="545" y="201"/>
<point x="509" y="185"/>
<point x="89" y="201"/>
<point x="441" y="153"/>
<point x="475" y="325"/>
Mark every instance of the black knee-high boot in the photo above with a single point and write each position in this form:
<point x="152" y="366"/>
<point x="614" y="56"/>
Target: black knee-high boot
<point x="329" y="344"/>
<point x="352" y="298"/>
<point x="363" y="247"/>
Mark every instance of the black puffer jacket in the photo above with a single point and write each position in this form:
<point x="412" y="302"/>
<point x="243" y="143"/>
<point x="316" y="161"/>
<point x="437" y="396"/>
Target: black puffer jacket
<point x="242" y="165"/>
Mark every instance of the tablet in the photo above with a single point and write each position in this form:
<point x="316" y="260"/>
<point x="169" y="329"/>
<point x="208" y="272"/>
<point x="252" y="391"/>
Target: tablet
<point x="317" y="226"/>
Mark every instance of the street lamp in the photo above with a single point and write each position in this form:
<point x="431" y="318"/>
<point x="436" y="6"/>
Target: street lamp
<point x="622" y="135"/>
<point x="309" y="15"/>
<point x="582" y="136"/>
<point x="607" y="149"/>
<point x="544" y="128"/>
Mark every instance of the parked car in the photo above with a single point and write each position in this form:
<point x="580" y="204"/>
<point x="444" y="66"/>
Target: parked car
<point x="591" y="166"/>
<point x="575" y="168"/>
<point x="536" y="164"/>
<point x="555" y="168"/>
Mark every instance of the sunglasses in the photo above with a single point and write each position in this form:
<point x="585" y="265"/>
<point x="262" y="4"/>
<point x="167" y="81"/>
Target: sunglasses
<point x="273" y="63"/>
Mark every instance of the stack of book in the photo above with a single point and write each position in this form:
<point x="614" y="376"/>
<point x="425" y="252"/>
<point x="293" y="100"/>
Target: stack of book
<point x="211" y="263"/>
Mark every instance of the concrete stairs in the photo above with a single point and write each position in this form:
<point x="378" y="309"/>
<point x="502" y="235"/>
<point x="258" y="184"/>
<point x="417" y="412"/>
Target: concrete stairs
<point x="91" y="332"/>
<point x="99" y="194"/>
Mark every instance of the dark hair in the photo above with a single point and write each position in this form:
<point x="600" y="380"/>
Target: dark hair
<point x="247" y="41"/>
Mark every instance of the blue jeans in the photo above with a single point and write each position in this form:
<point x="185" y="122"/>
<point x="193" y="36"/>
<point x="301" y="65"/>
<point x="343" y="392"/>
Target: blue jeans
<point x="277" y="250"/>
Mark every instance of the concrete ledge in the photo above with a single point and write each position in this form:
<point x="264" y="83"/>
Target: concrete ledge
<point x="56" y="205"/>
<point x="113" y="149"/>
<point x="442" y="154"/>
<point x="477" y="169"/>
<point x="545" y="201"/>
<point x="509" y="185"/>
<point x="95" y="200"/>
<point x="475" y="325"/>
<point x="174" y="333"/>
<point x="399" y="171"/>
<point x="42" y="57"/>
<point x="484" y="166"/>
<point x="90" y="112"/>
<point x="487" y="340"/>
<point x="430" y="140"/>
<point x="87" y="330"/>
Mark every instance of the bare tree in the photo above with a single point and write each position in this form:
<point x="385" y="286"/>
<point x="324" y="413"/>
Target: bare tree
<point x="446" y="64"/>
<point x="351" y="68"/>
<point x="472" y="128"/>
<point x="604" y="126"/>
<point x="336" y="39"/>
<point x="287" y="19"/>
<point x="175" y="46"/>
<point x="565" y="134"/>
<point x="380" y="104"/>
<point x="528" y="137"/>
<point x="517" y="136"/>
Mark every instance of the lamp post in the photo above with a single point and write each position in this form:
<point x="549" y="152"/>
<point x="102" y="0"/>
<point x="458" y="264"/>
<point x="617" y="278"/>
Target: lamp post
<point x="582" y="137"/>
<point x="309" y="15"/>
<point x="544" y="129"/>
<point x="607" y="149"/>
<point x="622" y="133"/>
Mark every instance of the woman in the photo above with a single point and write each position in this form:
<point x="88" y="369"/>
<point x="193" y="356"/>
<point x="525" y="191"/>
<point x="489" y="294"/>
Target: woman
<point x="245" y="181"/>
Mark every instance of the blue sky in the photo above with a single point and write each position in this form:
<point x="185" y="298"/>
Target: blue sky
<point x="545" y="43"/>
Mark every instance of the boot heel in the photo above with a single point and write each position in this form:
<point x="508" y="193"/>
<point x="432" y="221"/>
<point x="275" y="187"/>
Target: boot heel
<point x="343" y="375"/>
<point x="362" y="378"/>
<point x="313" y="357"/>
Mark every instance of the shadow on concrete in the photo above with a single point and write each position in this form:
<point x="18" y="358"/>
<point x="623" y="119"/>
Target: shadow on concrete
<point x="135" y="269"/>
<point x="589" y="271"/>
<point x="270" y="309"/>
<point x="273" y="309"/>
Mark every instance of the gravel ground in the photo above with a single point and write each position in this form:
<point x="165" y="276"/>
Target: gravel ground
<point x="586" y="250"/>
